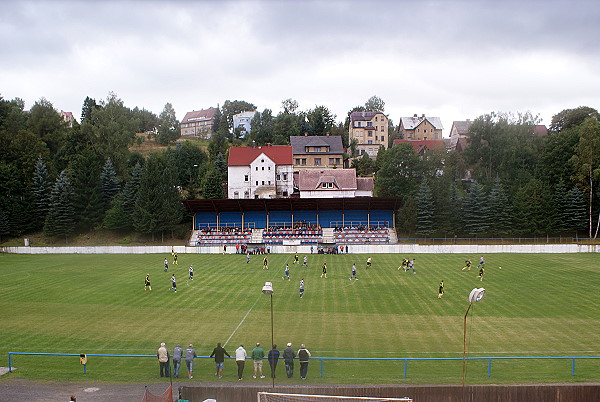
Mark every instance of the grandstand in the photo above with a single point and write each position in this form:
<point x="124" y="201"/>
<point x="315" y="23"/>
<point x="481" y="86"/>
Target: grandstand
<point x="293" y="221"/>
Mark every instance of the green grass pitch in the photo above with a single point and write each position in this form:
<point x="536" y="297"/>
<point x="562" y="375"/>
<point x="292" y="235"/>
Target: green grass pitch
<point x="536" y="305"/>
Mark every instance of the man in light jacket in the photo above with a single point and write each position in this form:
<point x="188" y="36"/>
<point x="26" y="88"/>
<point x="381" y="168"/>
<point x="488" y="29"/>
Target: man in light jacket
<point x="163" y="360"/>
<point x="240" y="359"/>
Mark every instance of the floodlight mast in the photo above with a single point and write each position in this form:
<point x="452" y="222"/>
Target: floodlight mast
<point x="268" y="290"/>
<point x="475" y="296"/>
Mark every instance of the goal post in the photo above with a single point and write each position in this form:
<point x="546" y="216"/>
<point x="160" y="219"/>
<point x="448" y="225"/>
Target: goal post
<point x="282" y="397"/>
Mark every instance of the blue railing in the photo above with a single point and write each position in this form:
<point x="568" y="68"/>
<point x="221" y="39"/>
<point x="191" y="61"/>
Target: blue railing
<point x="322" y="360"/>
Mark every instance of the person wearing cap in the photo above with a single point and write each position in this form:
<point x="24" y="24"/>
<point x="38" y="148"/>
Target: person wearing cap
<point x="177" y="352"/>
<point x="190" y="354"/>
<point x="303" y="356"/>
<point x="240" y="359"/>
<point x="258" y="354"/>
<point x="163" y="360"/>
<point x="288" y="357"/>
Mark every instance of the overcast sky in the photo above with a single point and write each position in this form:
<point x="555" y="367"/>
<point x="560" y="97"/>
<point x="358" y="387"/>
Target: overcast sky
<point x="451" y="59"/>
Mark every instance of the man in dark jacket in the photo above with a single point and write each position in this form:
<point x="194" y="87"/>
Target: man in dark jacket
<point x="219" y="354"/>
<point x="273" y="358"/>
<point x="303" y="356"/>
<point x="288" y="358"/>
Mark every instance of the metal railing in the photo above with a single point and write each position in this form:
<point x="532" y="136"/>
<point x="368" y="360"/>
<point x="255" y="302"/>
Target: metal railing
<point x="322" y="360"/>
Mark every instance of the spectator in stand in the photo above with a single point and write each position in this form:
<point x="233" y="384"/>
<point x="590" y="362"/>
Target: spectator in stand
<point x="177" y="352"/>
<point x="190" y="354"/>
<point x="240" y="359"/>
<point x="273" y="358"/>
<point x="219" y="354"/>
<point x="288" y="356"/>
<point x="163" y="356"/>
<point x="303" y="356"/>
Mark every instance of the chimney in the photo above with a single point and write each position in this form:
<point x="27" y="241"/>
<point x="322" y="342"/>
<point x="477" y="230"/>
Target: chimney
<point x="423" y="116"/>
<point x="268" y="144"/>
<point x="415" y="115"/>
<point x="305" y="134"/>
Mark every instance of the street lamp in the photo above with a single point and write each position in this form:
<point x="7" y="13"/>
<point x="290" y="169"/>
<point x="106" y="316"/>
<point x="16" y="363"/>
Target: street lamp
<point x="475" y="296"/>
<point x="268" y="290"/>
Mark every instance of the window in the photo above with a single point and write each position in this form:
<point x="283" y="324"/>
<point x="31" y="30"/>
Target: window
<point x="370" y="133"/>
<point x="370" y="142"/>
<point x="358" y="124"/>
<point x="317" y="161"/>
<point x="269" y="182"/>
<point x="331" y="161"/>
<point x="263" y="168"/>
<point x="382" y="138"/>
<point x="257" y="168"/>
<point x="382" y="128"/>
<point x="297" y="161"/>
<point x="256" y="196"/>
<point x="269" y="168"/>
<point x="236" y="194"/>
<point x="304" y="161"/>
<point x="375" y="118"/>
<point x="245" y="177"/>
<point x="257" y="182"/>
<point x="278" y="177"/>
<point x="285" y="193"/>
<point x="375" y="138"/>
<point x="263" y="182"/>
<point x="246" y="194"/>
<point x="262" y="161"/>
<point x="337" y="161"/>
<point x="285" y="177"/>
<point x="317" y="149"/>
<point x="369" y="124"/>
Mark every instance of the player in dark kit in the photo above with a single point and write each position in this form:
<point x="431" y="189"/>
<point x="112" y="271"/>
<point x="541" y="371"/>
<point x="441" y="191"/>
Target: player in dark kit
<point x="441" y="289"/>
<point x="467" y="265"/>
<point x="147" y="285"/>
<point x="324" y="274"/>
<point x="481" y="272"/>
<point x="296" y="259"/>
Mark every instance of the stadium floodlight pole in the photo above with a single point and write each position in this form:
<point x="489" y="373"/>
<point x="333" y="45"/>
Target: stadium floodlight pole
<point x="475" y="296"/>
<point x="268" y="290"/>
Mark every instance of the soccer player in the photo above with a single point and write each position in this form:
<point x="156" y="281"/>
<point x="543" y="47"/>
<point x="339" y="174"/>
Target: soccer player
<point x="296" y="259"/>
<point x="147" y="285"/>
<point x="481" y="262"/>
<point x="305" y="262"/>
<point x="441" y="290"/>
<point x="248" y="257"/>
<point x="324" y="274"/>
<point x="353" y="272"/>
<point x="481" y="272"/>
<point x="301" y="288"/>
<point x="411" y="265"/>
<point x="166" y="265"/>
<point x="368" y="263"/>
<point x="287" y="273"/>
<point x="191" y="269"/>
<point x="173" y="283"/>
<point x="175" y="259"/>
<point x="404" y="265"/>
<point x="265" y="263"/>
<point x="467" y="265"/>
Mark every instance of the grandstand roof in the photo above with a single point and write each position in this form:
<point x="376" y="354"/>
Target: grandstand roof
<point x="292" y="204"/>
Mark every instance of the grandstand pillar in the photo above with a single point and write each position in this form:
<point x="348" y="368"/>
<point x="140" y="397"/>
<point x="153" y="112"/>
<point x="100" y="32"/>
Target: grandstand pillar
<point x="369" y="219"/>
<point x="343" y="219"/>
<point x="242" y="219"/>
<point x="267" y="220"/>
<point x="218" y="220"/>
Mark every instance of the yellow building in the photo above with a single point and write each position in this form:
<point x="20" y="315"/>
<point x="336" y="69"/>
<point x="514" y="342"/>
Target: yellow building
<point x="370" y="130"/>
<point x="317" y="152"/>
<point x="420" y="128"/>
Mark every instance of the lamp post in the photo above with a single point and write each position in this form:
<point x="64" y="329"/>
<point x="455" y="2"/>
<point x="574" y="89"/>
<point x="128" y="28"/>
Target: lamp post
<point x="475" y="296"/>
<point x="268" y="290"/>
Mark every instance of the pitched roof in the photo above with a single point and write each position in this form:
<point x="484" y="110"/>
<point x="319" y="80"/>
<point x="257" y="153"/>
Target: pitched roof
<point x="410" y="123"/>
<point x="462" y="127"/>
<point x="365" y="183"/>
<point x="343" y="179"/>
<point x="244" y="156"/>
<point x="540" y="130"/>
<point x="300" y="142"/>
<point x="423" y="145"/>
<point x="199" y="115"/>
<point x="355" y="116"/>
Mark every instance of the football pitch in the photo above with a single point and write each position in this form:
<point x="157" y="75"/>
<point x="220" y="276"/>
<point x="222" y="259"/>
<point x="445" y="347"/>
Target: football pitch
<point x="535" y="305"/>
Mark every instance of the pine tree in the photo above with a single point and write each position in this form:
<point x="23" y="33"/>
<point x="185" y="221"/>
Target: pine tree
<point x="456" y="211"/>
<point x="425" y="210"/>
<point x="576" y="211"/>
<point x="87" y="190"/>
<point x="212" y="185"/>
<point x="41" y="187"/>
<point x="4" y="223"/>
<point x="60" y="220"/>
<point x="560" y="200"/>
<point x="116" y="218"/>
<point x="130" y="194"/>
<point x="500" y="210"/>
<point x="110" y="185"/>
<point x="476" y="213"/>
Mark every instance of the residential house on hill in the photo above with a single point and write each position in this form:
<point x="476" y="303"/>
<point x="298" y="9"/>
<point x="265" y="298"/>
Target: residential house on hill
<point x="243" y="120"/>
<point x="68" y="117"/>
<point x="420" y="128"/>
<point x="333" y="183"/>
<point x="370" y="130"/>
<point x="260" y="172"/>
<point x="198" y="123"/>
<point x="422" y="146"/>
<point x="317" y="152"/>
<point x="460" y="129"/>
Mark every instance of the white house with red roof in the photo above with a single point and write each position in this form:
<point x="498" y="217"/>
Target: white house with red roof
<point x="260" y="172"/>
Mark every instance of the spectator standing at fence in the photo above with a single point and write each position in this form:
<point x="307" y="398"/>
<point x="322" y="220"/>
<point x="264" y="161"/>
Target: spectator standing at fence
<point x="341" y="249"/>
<point x="347" y="247"/>
<point x="265" y="263"/>
<point x="288" y="357"/>
<point x="273" y="358"/>
<point x="147" y="285"/>
<point x="166" y="262"/>
<point x="240" y="360"/>
<point x="237" y="248"/>
<point x="441" y="289"/>
<point x="219" y="354"/>
<point x="163" y="360"/>
<point x="258" y="354"/>
<point x="303" y="356"/>
<point x="177" y="353"/>
<point x="324" y="274"/>
<point x="190" y="354"/>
